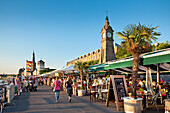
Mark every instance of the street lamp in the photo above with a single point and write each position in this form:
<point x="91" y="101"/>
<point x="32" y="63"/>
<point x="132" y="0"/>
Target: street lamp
<point x="156" y="44"/>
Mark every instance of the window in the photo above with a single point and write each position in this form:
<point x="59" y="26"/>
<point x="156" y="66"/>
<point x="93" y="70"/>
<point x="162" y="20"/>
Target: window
<point x="96" y="56"/>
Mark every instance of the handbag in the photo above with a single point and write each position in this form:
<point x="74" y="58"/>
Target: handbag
<point x="53" y="89"/>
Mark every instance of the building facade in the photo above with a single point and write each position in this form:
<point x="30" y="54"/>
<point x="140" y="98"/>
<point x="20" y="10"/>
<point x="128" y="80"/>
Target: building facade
<point x="40" y="66"/>
<point x="107" y="50"/>
<point x="107" y="47"/>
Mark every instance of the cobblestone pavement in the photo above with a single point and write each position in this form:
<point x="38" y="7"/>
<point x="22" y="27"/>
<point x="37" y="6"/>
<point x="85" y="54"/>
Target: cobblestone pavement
<point x="43" y="101"/>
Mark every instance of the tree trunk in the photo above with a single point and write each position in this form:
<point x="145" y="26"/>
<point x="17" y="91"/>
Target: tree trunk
<point x="135" y="73"/>
<point x="81" y="75"/>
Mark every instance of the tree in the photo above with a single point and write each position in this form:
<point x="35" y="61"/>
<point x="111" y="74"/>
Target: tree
<point x="81" y="66"/>
<point x="122" y="52"/>
<point x="163" y="45"/>
<point x="93" y="62"/>
<point x="138" y="39"/>
<point x="46" y="70"/>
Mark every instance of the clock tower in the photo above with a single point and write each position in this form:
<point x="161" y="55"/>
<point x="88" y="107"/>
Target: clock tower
<point x="107" y="50"/>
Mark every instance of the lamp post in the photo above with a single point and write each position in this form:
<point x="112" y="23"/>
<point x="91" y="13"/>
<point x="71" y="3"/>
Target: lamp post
<point x="156" y="44"/>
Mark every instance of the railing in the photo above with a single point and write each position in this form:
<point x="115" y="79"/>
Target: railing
<point x="10" y="92"/>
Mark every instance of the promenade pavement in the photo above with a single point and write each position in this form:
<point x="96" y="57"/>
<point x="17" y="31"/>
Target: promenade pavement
<point x="43" y="101"/>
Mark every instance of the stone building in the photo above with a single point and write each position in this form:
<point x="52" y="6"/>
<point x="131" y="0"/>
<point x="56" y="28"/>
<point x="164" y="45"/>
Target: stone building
<point x="108" y="48"/>
<point x="40" y="66"/>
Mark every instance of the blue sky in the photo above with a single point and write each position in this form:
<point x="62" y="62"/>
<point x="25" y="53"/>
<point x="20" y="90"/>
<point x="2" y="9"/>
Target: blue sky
<point x="61" y="30"/>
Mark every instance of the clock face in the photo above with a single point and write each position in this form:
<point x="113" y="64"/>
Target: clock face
<point x="109" y="34"/>
<point x="103" y="35"/>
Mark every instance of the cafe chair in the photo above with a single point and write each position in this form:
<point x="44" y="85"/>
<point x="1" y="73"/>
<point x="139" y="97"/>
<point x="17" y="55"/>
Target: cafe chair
<point x="93" y="93"/>
<point x="153" y="100"/>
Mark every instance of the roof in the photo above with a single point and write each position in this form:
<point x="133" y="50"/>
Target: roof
<point x="150" y="59"/>
<point x="40" y="61"/>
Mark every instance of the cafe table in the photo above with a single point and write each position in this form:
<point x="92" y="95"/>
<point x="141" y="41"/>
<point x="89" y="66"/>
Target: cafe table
<point x="104" y="91"/>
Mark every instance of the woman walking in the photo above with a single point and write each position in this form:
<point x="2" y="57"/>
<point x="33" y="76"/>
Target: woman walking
<point x="69" y="88"/>
<point x="17" y="83"/>
<point x="57" y="89"/>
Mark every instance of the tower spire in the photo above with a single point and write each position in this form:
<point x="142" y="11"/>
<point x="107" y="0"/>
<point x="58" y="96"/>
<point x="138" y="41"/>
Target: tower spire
<point x="33" y="68"/>
<point x="107" y="20"/>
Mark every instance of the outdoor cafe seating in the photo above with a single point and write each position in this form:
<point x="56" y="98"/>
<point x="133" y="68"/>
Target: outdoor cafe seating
<point x="98" y="92"/>
<point x="93" y="93"/>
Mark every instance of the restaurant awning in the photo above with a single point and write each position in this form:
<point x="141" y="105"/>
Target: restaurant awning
<point x="150" y="59"/>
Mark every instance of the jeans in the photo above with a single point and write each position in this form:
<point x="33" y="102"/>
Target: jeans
<point x="57" y="94"/>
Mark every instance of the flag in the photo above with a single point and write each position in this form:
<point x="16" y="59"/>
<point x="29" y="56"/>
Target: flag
<point x="28" y="69"/>
<point x="28" y="62"/>
<point x="28" y="65"/>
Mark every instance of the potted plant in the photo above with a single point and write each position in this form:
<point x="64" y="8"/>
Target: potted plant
<point x="82" y="91"/>
<point x="137" y="39"/>
<point x="141" y="91"/>
<point x="81" y="66"/>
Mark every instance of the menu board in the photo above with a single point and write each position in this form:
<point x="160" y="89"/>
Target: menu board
<point x="119" y="83"/>
<point x="117" y="89"/>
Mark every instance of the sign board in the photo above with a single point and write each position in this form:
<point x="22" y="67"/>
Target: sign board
<point x="117" y="85"/>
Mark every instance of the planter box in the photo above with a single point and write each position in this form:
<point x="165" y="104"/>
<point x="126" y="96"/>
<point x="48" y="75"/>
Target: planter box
<point x="81" y="92"/>
<point x="167" y="105"/>
<point x="132" y="105"/>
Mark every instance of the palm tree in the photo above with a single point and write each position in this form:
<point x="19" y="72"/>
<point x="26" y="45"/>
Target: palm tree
<point x="138" y="39"/>
<point x="81" y="66"/>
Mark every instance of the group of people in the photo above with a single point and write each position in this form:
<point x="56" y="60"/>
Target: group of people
<point x="57" y="88"/>
<point x="24" y="84"/>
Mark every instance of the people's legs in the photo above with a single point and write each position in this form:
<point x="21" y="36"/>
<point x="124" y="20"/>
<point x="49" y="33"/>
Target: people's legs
<point x="69" y="92"/>
<point x="57" y="94"/>
<point x="18" y="90"/>
<point x="35" y="88"/>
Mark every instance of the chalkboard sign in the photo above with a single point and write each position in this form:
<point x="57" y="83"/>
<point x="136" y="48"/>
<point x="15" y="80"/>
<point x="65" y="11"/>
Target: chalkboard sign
<point x="117" y="85"/>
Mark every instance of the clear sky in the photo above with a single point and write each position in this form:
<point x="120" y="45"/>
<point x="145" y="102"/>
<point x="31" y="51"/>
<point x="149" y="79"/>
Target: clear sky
<point x="62" y="30"/>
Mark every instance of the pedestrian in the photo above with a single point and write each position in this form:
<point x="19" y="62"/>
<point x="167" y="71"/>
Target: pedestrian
<point x="46" y="80"/>
<point x="64" y="84"/>
<point x="69" y="88"/>
<point x="39" y="81"/>
<point x="57" y="88"/>
<point x="17" y="83"/>
<point x="27" y="85"/>
<point x="42" y="82"/>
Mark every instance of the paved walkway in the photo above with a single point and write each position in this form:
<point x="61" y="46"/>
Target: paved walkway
<point x="43" y="101"/>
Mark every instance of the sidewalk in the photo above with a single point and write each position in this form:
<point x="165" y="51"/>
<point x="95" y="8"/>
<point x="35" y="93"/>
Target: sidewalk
<point x="43" y="101"/>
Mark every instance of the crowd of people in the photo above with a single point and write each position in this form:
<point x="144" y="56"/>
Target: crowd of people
<point x="24" y="84"/>
<point x="68" y="83"/>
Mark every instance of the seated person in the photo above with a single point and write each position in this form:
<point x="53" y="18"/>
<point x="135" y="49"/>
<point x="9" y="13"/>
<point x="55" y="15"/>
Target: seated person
<point x="27" y="84"/>
<point x="162" y="81"/>
<point x="95" y="82"/>
<point x="140" y="84"/>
